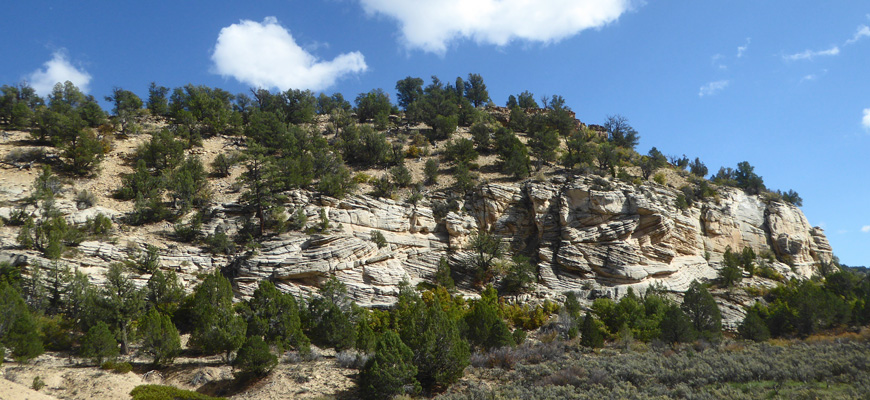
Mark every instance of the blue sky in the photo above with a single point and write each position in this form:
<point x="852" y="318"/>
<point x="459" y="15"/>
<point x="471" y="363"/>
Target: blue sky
<point x="784" y="85"/>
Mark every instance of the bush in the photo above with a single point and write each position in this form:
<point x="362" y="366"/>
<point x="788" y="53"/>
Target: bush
<point x="159" y="337"/>
<point x="390" y="371"/>
<point x="401" y="175"/>
<point x="160" y="392"/>
<point x="443" y="275"/>
<point x="254" y="359"/>
<point x="117" y="367"/>
<point x="379" y="238"/>
<point x="222" y="164"/>
<point x="660" y="178"/>
<point x="38" y="383"/>
<point x="99" y="344"/>
<point x="753" y="327"/>
<point x="521" y="276"/>
<point x="430" y="170"/>
<point x="591" y="334"/>
<point x="85" y="199"/>
<point x="99" y="225"/>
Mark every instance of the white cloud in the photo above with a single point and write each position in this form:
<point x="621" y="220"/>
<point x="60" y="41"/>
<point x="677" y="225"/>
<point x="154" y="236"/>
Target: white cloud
<point x="866" y="120"/>
<point x="809" y="54"/>
<point x="810" y="77"/>
<point x="58" y="70"/>
<point x="266" y="55"/>
<point x="431" y="25"/>
<point x="865" y="229"/>
<point x="862" y="32"/>
<point x="742" y="49"/>
<point x="712" y="88"/>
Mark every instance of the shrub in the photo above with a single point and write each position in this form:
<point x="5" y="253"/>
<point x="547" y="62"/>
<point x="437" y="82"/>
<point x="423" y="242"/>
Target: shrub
<point x="117" y="367"/>
<point x="159" y="337"/>
<point x="753" y="326"/>
<point x="443" y="275"/>
<point x="659" y="178"/>
<point x="220" y="243"/>
<point x="160" y="392"/>
<point x="38" y="383"/>
<point x="85" y="199"/>
<point x="254" y="359"/>
<point x="99" y="225"/>
<point x="591" y="334"/>
<point x="378" y="238"/>
<point x="401" y="175"/>
<point x="222" y="164"/>
<point x="430" y="170"/>
<point x="390" y="371"/>
<point x="99" y="344"/>
<point x="521" y="276"/>
<point x="703" y="311"/>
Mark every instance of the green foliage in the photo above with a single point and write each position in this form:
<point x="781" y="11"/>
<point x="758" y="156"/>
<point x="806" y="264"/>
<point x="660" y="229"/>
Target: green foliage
<point x="475" y="90"/>
<point x="730" y="272"/>
<point x="519" y="120"/>
<point x="390" y="371"/>
<point x="161" y="153"/>
<point x="330" y="316"/>
<point x="484" y="328"/>
<point x="99" y="344"/>
<point x="791" y="197"/>
<point x="372" y="104"/>
<point x="651" y="162"/>
<point x="163" y="292"/>
<point x="160" y="392"/>
<point x="521" y="276"/>
<point x="747" y="179"/>
<point x="484" y="248"/>
<point x="401" y="175"/>
<point x="698" y="168"/>
<point x="188" y="185"/>
<point x="216" y="327"/>
<point x="82" y="152"/>
<point x="220" y="243"/>
<point x="274" y="316"/>
<point x="203" y="111"/>
<point x="378" y="238"/>
<point x="159" y="337"/>
<point x="121" y="302"/>
<point x="222" y="164"/>
<point x="543" y="144"/>
<point x="513" y="155"/>
<point x="409" y="91"/>
<point x="440" y="354"/>
<point x="620" y="133"/>
<point x="703" y="311"/>
<point x="37" y="383"/>
<point x="254" y="359"/>
<point x="464" y="180"/>
<point x="443" y="127"/>
<point x="591" y="334"/>
<point x="430" y="171"/>
<point x="443" y="275"/>
<point x="481" y="135"/>
<point x="18" y="328"/>
<point x="676" y="327"/>
<point x="157" y="102"/>
<point x="753" y="326"/>
<point x="460" y="151"/>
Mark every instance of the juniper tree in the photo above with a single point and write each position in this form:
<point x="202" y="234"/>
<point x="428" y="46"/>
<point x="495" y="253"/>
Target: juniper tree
<point x="159" y="336"/>
<point x="703" y="311"/>
<point x="216" y="327"/>
<point x="391" y="371"/>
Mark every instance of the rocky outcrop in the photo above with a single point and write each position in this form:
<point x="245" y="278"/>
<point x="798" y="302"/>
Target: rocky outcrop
<point x="587" y="234"/>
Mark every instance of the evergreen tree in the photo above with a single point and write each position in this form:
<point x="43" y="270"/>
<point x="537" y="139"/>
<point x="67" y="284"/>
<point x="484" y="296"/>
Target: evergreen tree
<point x="590" y="332"/>
<point x="99" y="344"/>
<point x="19" y="331"/>
<point x="254" y="359"/>
<point x="676" y="327"/>
<point x="274" y="315"/>
<point x="216" y="327"/>
<point x="122" y="302"/>
<point x="753" y="326"/>
<point x="430" y="170"/>
<point x="443" y="275"/>
<point x="390" y="371"/>
<point x="703" y="311"/>
<point x="475" y="90"/>
<point x="484" y="327"/>
<point x="159" y="337"/>
<point x="330" y="316"/>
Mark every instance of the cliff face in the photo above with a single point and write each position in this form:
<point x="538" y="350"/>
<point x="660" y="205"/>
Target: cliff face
<point x="589" y="234"/>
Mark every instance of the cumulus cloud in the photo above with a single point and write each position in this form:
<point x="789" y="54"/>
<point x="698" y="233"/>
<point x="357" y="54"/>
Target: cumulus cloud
<point x="266" y="55"/>
<point x="712" y="88"/>
<point x="865" y="229"/>
<point x="430" y="25"/>
<point x="809" y="54"/>
<point x="866" y="120"/>
<point x="862" y="32"/>
<point x="58" y="70"/>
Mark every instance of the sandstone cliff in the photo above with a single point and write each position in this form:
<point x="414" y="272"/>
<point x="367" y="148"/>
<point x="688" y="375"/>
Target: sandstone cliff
<point x="591" y="235"/>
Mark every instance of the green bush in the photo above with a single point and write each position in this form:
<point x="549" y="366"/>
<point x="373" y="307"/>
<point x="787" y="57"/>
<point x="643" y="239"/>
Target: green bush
<point x="430" y="170"/>
<point x="391" y="371"/>
<point x="159" y="337"/>
<point x="254" y="359"/>
<point x="591" y="334"/>
<point x="160" y="392"/>
<point x="99" y="344"/>
<point x="378" y="238"/>
<point x="117" y="367"/>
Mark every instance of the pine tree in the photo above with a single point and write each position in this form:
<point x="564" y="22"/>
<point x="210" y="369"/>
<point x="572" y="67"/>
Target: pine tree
<point x="274" y="315"/>
<point x="676" y="327"/>
<point x="753" y="326"/>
